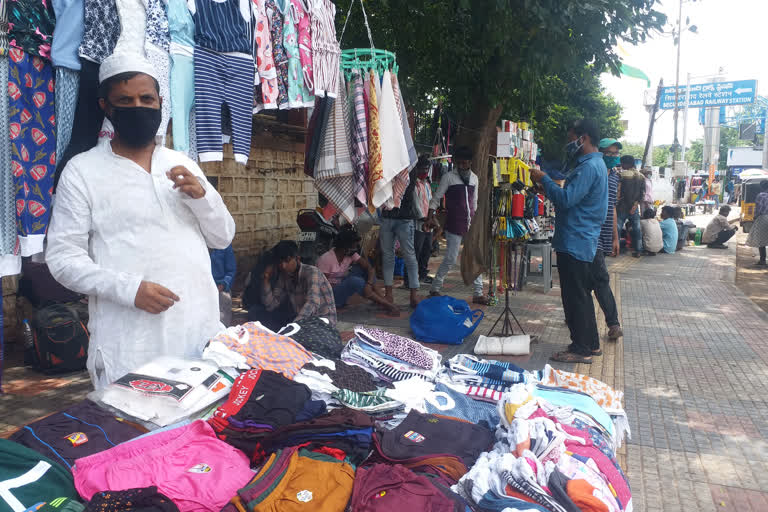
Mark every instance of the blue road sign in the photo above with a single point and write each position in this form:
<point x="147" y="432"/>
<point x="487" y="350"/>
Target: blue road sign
<point x="716" y="94"/>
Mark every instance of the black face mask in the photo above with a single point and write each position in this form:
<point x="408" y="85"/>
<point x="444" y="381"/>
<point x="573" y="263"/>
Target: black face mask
<point x="136" y="126"/>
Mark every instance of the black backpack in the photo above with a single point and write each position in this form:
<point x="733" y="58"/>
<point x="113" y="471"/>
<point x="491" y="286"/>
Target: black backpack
<point x="60" y="338"/>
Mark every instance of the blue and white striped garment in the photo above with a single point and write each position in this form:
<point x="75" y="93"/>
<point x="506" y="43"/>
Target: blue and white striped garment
<point x="605" y="242"/>
<point x="220" y="79"/>
<point x="223" y="25"/>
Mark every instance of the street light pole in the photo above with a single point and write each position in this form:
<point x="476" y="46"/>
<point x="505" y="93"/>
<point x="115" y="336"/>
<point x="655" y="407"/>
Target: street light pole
<point x="677" y="75"/>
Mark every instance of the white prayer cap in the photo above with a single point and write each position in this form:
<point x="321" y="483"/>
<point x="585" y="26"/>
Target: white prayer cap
<point x="125" y="62"/>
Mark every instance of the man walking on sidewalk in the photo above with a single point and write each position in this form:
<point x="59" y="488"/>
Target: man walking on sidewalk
<point x="460" y="190"/>
<point x="581" y="206"/>
<point x="608" y="243"/>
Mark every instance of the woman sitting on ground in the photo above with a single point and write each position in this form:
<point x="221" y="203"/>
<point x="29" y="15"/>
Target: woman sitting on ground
<point x="653" y="241"/>
<point x="668" y="229"/>
<point x="350" y="274"/>
<point x="758" y="234"/>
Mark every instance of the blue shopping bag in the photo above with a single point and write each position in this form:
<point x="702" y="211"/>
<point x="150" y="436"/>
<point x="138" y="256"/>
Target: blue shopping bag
<point x="444" y="320"/>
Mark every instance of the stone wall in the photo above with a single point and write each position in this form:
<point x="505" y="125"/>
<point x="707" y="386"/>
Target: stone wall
<point x="264" y="196"/>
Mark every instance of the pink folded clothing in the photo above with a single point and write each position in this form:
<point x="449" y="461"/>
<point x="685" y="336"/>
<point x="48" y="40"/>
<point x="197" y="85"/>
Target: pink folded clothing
<point x="189" y="464"/>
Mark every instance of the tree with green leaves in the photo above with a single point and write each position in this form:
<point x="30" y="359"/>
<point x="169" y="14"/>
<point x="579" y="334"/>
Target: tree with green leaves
<point x="488" y="57"/>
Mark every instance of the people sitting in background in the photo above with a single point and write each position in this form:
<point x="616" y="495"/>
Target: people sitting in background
<point x="350" y="274"/>
<point x="223" y="268"/>
<point x="305" y="286"/>
<point x="758" y="234"/>
<point x="719" y="230"/>
<point x="668" y="229"/>
<point x="630" y="193"/>
<point x="273" y="319"/>
<point x="653" y="241"/>
<point x="684" y="227"/>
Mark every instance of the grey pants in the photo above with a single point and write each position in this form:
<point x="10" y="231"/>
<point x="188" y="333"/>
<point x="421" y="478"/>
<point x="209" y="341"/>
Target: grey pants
<point x="449" y="260"/>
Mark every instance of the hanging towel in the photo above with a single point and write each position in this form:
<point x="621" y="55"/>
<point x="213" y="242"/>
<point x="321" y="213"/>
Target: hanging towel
<point x="401" y="181"/>
<point x="359" y="135"/>
<point x="394" y="153"/>
<point x="334" y="173"/>
<point x="375" y="166"/>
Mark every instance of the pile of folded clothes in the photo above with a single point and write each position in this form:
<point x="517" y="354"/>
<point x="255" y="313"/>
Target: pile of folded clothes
<point x="269" y="423"/>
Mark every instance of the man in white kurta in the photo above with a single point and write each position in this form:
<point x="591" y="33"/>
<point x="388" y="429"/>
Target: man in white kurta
<point x="131" y="228"/>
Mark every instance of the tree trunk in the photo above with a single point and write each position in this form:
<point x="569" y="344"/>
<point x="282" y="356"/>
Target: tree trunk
<point x="479" y="133"/>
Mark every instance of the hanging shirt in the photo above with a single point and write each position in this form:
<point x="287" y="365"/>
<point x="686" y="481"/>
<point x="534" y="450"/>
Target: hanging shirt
<point x="31" y="25"/>
<point x="114" y="225"/>
<point x="102" y="28"/>
<point x="223" y="25"/>
<point x="68" y="35"/>
<point x="182" y="28"/>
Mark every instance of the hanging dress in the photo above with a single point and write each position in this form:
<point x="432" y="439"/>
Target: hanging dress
<point x="265" y="62"/>
<point x="291" y="44"/>
<point x="326" y="52"/>
<point x="375" y="168"/>
<point x="275" y="17"/>
<point x="300" y="10"/>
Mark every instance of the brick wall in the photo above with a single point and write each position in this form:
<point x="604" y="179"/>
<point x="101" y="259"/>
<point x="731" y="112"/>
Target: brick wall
<point x="264" y="196"/>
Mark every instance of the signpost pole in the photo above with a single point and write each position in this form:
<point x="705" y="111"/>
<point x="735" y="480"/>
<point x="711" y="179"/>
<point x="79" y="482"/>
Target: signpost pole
<point x="765" y="142"/>
<point x="685" y="114"/>
<point x="677" y="78"/>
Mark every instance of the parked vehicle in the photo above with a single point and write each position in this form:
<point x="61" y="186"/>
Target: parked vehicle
<point x="316" y="236"/>
<point x="750" y="187"/>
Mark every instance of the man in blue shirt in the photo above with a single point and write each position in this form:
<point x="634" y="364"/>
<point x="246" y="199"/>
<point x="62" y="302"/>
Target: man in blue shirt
<point x="580" y="210"/>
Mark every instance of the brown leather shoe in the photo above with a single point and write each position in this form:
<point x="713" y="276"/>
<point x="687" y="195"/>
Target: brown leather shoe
<point x="615" y="332"/>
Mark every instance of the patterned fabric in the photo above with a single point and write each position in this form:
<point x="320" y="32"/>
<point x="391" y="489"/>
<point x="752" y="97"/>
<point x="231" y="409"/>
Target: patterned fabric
<point x="161" y="61"/>
<point x="133" y="25"/>
<point x="345" y="376"/>
<point x="521" y="477"/>
<point x="334" y="173"/>
<point x="102" y="29"/>
<point x="310" y="294"/>
<point x="359" y="140"/>
<point x="761" y="204"/>
<point x="265" y="61"/>
<point x="263" y="349"/>
<point x="158" y="29"/>
<point x="605" y="396"/>
<point x="400" y="347"/>
<point x="605" y="242"/>
<point x="401" y="181"/>
<point x="33" y="145"/>
<point x="31" y="24"/>
<point x="371" y="401"/>
<point x="305" y="47"/>
<point x="326" y="51"/>
<point x="131" y="500"/>
<point x="316" y="336"/>
<point x="8" y="235"/>
<point x="67" y="83"/>
<point x="375" y="166"/>
<point x="758" y="233"/>
<point x="278" y="50"/>
<point x="296" y="87"/>
<point x="4" y="45"/>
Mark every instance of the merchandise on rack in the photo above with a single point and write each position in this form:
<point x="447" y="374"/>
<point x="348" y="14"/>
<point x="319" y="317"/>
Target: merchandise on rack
<point x="390" y="425"/>
<point x="251" y="55"/>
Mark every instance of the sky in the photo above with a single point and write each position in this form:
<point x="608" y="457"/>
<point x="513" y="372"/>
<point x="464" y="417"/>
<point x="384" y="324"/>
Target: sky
<point x="732" y="34"/>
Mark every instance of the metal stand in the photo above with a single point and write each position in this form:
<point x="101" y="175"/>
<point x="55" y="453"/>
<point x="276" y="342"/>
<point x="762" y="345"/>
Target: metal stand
<point x="507" y="328"/>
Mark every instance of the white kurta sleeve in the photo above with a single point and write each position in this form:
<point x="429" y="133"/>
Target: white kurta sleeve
<point x="67" y="253"/>
<point x="216" y="223"/>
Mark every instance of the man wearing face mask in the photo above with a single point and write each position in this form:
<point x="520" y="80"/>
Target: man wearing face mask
<point x="581" y="207"/>
<point x="608" y="243"/>
<point x="131" y="227"/>
<point x="460" y="189"/>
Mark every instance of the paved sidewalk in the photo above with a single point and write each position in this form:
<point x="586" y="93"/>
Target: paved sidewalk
<point x="693" y="365"/>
